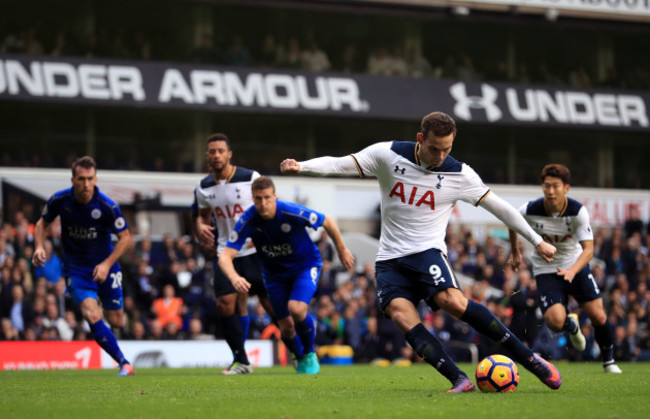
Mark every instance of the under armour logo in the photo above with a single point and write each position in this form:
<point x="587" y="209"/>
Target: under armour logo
<point x="465" y="103"/>
<point x="539" y="226"/>
<point x="440" y="178"/>
<point x="211" y="196"/>
<point x="398" y="169"/>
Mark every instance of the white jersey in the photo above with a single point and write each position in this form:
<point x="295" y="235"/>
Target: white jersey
<point x="416" y="202"/>
<point x="228" y="199"/>
<point x="564" y="230"/>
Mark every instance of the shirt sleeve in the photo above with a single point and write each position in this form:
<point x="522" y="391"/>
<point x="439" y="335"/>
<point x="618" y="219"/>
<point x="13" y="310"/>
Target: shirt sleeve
<point x="583" y="227"/>
<point x="119" y="222"/>
<point x="510" y="217"/>
<point x="240" y="233"/>
<point x="199" y="198"/>
<point x="364" y="163"/>
<point x="313" y="219"/>
<point x="473" y="190"/>
<point x="50" y="210"/>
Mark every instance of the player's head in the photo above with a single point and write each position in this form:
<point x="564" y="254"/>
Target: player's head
<point x="264" y="197"/>
<point x="556" y="182"/>
<point x="218" y="153"/>
<point x="436" y="137"/>
<point x="84" y="178"/>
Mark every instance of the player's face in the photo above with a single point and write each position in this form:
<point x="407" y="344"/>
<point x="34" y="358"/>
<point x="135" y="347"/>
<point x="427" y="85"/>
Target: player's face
<point x="265" y="202"/>
<point x="434" y="150"/>
<point x="218" y="155"/>
<point x="83" y="183"/>
<point x="554" y="191"/>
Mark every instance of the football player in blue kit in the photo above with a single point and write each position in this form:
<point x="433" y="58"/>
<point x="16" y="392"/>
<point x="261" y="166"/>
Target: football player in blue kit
<point x="290" y="260"/>
<point x="420" y="183"/>
<point x="88" y="218"/>
<point x="564" y="222"/>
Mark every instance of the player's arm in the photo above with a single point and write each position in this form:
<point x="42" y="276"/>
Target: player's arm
<point x="515" y="221"/>
<point x="515" y="253"/>
<point x="40" y="255"/>
<point x="204" y="230"/>
<point x="347" y="259"/>
<point x="228" y="268"/>
<point x="582" y="261"/>
<point x="101" y="271"/>
<point x="346" y="165"/>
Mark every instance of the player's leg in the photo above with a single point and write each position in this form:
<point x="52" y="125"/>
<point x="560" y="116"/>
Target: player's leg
<point x="278" y="297"/>
<point x="249" y="267"/>
<point x="558" y="320"/>
<point x="241" y="307"/>
<point x="585" y="290"/>
<point x="232" y="330"/>
<point x="604" y="334"/>
<point x="483" y="321"/>
<point x="302" y="291"/>
<point x="396" y="295"/>
<point x="81" y="289"/>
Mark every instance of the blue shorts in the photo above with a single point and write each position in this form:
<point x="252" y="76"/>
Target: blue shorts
<point x="415" y="277"/>
<point x="249" y="267"/>
<point x="81" y="285"/>
<point x="553" y="289"/>
<point x="299" y="286"/>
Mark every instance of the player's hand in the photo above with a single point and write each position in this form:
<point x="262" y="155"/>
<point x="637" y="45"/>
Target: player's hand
<point x="516" y="258"/>
<point x="546" y="251"/>
<point x="240" y="284"/>
<point x="39" y="257"/>
<point x="290" y="166"/>
<point x="567" y="274"/>
<point x="206" y="234"/>
<point x="101" y="272"/>
<point x="347" y="259"/>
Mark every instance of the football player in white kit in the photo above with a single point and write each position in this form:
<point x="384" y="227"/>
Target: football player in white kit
<point x="564" y="222"/>
<point x="225" y="194"/>
<point x="420" y="183"/>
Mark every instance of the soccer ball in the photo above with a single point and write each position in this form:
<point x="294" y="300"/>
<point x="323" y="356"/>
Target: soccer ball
<point x="497" y="374"/>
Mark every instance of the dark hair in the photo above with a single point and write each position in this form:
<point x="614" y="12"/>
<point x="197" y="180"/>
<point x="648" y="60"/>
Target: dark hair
<point x="556" y="170"/>
<point x="86" y="162"/>
<point x="262" y="182"/>
<point x="439" y="123"/>
<point x="219" y="137"/>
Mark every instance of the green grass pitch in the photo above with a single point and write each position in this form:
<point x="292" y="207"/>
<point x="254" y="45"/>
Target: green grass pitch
<point x="337" y="392"/>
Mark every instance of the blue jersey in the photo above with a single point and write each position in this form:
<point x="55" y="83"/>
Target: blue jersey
<point x="282" y="242"/>
<point x="85" y="228"/>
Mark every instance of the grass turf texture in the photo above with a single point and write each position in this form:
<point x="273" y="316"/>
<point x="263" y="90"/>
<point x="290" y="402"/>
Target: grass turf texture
<point x="337" y="392"/>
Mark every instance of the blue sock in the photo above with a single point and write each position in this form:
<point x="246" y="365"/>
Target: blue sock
<point x="245" y="322"/>
<point x="106" y="339"/>
<point x="484" y="322"/>
<point x="307" y="332"/>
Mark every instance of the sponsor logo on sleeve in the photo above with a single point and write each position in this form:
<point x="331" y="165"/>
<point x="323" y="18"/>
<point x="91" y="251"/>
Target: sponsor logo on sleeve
<point x="120" y="223"/>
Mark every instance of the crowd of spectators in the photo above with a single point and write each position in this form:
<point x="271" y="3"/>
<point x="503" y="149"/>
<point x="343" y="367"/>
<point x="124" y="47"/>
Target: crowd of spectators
<point x="398" y="59"/>
<point x="168" y="296"/>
